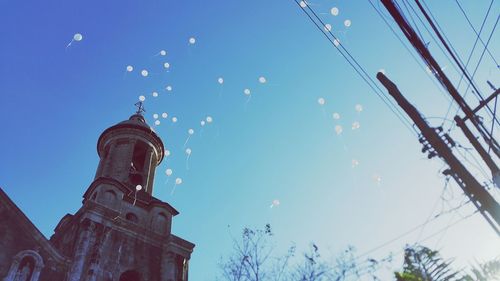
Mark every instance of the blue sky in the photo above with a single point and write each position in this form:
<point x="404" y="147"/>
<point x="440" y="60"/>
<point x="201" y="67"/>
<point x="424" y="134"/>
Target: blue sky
<point x="280" y="144"/>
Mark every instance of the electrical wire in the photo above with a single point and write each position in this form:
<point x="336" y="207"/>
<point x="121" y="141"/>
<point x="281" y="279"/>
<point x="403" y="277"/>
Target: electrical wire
<point x="419" y="63"/>
<point x="355" y="65"/>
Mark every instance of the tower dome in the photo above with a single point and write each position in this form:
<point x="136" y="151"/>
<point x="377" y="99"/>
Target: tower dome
<point x="129" y="152"/>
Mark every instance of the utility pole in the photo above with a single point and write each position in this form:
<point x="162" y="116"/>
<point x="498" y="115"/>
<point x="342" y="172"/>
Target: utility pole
<point x="439" y="144"/>
<point x="421" y="48"/>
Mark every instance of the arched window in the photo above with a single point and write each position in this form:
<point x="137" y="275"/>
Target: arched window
<point x="26" y="266"/>
<point x="132" y="217"/>
<point x="130" y="275"/>
<point x="109" y="198"/>
<point x="160" y="223"/>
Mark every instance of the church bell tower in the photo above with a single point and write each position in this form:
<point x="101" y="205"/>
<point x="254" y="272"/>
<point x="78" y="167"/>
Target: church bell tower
<point x="122" y="232"/>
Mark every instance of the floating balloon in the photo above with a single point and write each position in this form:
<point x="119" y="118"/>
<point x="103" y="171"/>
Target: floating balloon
<point x="155" y="116"/>
<point x="166" y="65"/>
<point x="220" y="80"/>
<point x="157" y="122"/>
<point x="321" y="101"/>
<point x="168" y="172"/>
<point x="209" y="119"/>
<point x="246" y="92"/>
<point x="142" y="98"/>
<point x="354" y="163"/>
<point x="303" y="4"/>
<point x="358" y="107"/>
<point x="192" y="40"/>
<point x="336" y="116"/>
<point x="336" y="42"/>
<point x="164" y="115"/>
<point x="334" y="11"/>
<point x="77" y="37"/>
<point x="328" y="27"/>
<point x="155" y="94"/>
<point x="178" y="181"/>
<point x="355" y="125"/>
<point x="262" y="80"/>
<point x="130" y="68"/>
<point x="163" y="53"/>
<point x="275" y="203"/>
<point x="347" y="23"/>
<point x="338" y="129"/>
<point x="168" y="88"/>
<point x="202" y="123"/>
<point x="144" y="73"/>
<point x="174" y="119"/>
<point x="190" y="133"/>
<point x="188" y="153"/>
<point x="167" y="153"/>
<point x="383" y="70"/>
<point x="137" y="189"/>
<point x="377" y="178"/>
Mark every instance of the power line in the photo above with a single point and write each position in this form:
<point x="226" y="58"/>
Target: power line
<point x="409" y="51"/>
<point x="478" y="34"/>
<point x="354" y="64"/>
<point x="479" y="62"/>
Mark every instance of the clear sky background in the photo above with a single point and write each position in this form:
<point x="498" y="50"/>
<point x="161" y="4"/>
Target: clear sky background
<point x="279" y="145"/>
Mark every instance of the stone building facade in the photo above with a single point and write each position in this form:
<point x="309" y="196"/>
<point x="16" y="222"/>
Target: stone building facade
<point x="121" y="232"/>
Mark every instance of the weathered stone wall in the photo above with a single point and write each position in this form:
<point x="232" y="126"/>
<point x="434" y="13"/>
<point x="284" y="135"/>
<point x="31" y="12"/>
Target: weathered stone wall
<point x="15" y="237"/>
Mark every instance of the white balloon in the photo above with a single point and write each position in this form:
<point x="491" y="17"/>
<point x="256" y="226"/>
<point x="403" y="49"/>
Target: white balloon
<point x="188" y="151"/>
<point x="138" y="187"/>
<point x="202" y="123"/>
<point x="178" y="181"/>
<point x="155" y="116"/>
<point x="328" y="27"/>
<point x="142" y="98"/>
<point x="130" y="68"/>
<point x="262" y="80"/>
<point x="358" y="107"/>
<point x="174" y="119"/>
<point x="190" y="131"/>
<point x="155" y="94"/>
<point x="334" y="11"/>
<point x="338" y="129"/>
<point x="192" y="40"/>
<point x="164" y="115"/>
<point x="168" y="88"/>
<point x="347" y="23"/>
<point x="168" y="172"/>
<point x="77" y="37"/>
<point x="336" y="42"/>
<point x="246" y="92"/>
<point x="383" y="70"/>
<point x="355" y="125"/>
<point x="163" y="52"/>
<point x="321" y="101"/>
<point x="276" y="202"/>
<point x="209" y="119"/>
<point x="167" y="153"/>
<point x="220" y="80"/>
<point x="336" y="116"/>
<point x="157" y="122"/>
<point x="144" y="73"/>
<point x="303" y="4"/>
<point x="354" y="163"/>
<point x="166" y="65"/>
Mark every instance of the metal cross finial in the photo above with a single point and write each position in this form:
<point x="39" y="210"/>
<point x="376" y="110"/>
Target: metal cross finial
<point x="140" y="107"/>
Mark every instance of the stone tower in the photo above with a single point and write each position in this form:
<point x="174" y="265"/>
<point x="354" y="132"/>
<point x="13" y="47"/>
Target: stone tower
<point x="122" y="232"/>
